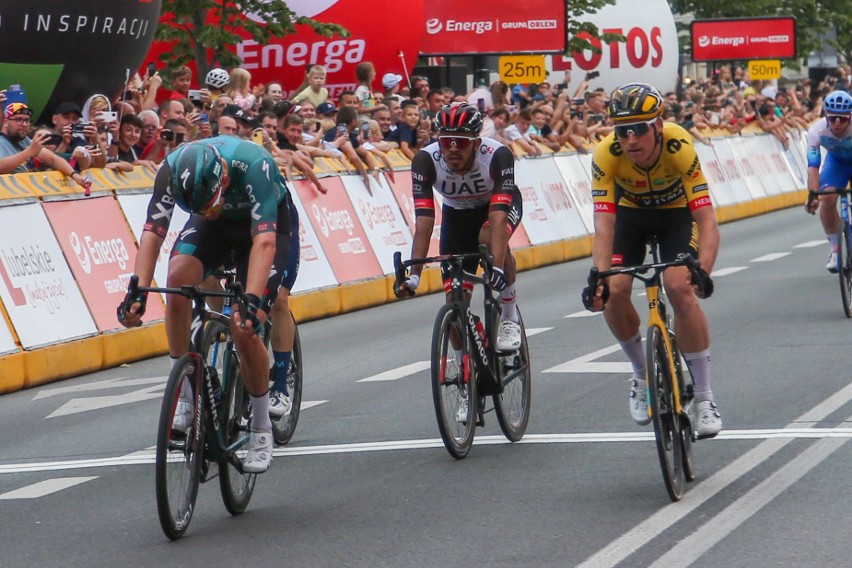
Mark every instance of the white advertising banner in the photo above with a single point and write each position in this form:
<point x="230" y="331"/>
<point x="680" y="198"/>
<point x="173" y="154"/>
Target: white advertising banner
<point x="747" y="168"/>
<point x="731" y="170"/>
<point x="36" y="285"/>
<point x="135" y="208"/>
<point x="7" y="342"/>
<point x="720" y="189"/>
<point x="575" y="171"/>
<point x="550" y="213"/>
<point x="795" y="158"/>
<point x="759" y="153"/>
<point x="773" y="150"/>
<point x="314" y="269"/>
<point x="381" y="217"/>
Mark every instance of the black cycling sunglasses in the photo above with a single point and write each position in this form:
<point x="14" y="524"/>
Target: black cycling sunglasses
<point x="638" y="129"/>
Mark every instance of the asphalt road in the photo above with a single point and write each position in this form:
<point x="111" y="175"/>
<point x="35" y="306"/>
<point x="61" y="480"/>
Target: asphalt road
<point x="366" y="481"/>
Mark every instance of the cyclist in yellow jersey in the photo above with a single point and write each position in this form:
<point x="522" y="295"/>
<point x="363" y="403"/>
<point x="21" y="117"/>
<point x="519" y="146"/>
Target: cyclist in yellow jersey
<point x="647" y="182"/>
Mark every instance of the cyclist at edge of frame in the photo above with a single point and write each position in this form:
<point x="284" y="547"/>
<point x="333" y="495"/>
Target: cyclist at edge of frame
<point x="476" y="179"/>
<point x="835" y="135"/>
<point x="240" y="208"/>
<point x="647" y="181"/>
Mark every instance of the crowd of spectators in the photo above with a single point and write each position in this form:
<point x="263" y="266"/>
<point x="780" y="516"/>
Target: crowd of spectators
<point x="358" y="127"/>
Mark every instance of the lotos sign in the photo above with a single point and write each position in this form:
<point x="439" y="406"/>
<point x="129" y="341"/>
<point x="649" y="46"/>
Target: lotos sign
<point x="59" y="50"/>
<point x="650" y="54"/>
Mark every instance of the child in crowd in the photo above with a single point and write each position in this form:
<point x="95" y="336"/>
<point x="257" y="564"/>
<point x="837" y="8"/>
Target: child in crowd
<point x="181" y="80"/>
<point x="366" y="74"/>
<point x="315" y="91"/>
<point x="240" y="90"/>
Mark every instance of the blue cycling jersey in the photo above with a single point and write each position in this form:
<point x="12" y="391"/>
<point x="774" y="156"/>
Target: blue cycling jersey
<point x="839" y="149"/>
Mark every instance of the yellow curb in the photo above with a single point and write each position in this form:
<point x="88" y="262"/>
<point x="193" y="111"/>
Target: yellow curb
<point x="524" y="258"/>
<point x="549" y="253"/>
<point x="579" y="247"/>
<point x="316" y="304"/>
<point x="63" y="360"/>
<point x="363" y="294"/>
<point x="12" y="372"/>
<point x="129" y="345"/>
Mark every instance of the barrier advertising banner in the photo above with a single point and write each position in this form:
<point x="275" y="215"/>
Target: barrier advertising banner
<point x="135" y="208"/>
<point x="381" y="218"/>
<point x="550" y="213"/>
<point x="7" y="342"/>
<point x="101" y="255"/>
<point x="747" y="168"/>
<point x="731" y="170"/>
<point x="36" y="285"/>
<point x="402" y="192"/>
<point x="314" y="269"/>
<point x="340" y="232"/>
<point x="720" y="190"/>
<point x="575" y="172"/>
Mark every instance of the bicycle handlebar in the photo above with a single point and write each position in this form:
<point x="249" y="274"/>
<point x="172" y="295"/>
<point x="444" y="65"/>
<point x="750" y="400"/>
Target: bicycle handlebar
<point x="700" y="278"/>
<point x="483" y="257"/>
<point x="194" y="293"/>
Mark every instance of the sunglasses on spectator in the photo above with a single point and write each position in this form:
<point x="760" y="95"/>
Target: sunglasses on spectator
<point x="638" y="129"/>
<point x="449" y="143"/>
<point x="837" y="118"/>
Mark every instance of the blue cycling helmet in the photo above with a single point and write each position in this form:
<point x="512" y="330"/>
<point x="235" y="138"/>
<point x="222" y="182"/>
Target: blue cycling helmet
<point x="838" y="102"/>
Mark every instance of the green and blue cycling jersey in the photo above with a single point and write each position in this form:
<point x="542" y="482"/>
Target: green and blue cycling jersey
<point x="255" y="190"/>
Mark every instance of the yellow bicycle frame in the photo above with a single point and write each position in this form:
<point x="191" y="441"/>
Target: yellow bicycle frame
<point x="655" y="319"/>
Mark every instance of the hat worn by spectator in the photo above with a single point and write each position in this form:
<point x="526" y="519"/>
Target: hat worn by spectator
<point x="66" y="107"/>
<point x="391" y="80"/>
<point x="17" y="108"/>
<point x="237" y="112"/>
<point x="326" y="108"/>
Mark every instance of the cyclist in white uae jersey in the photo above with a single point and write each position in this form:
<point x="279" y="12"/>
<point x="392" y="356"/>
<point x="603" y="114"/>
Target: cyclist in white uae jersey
<point x="835" y="135"/>
<point x="475" y="177"/>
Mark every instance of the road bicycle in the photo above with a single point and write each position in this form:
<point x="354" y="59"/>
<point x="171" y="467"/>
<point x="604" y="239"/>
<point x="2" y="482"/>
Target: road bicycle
<point x="844" y="245"/>
<point x="208" y="378"/>
<point x="670" y="389"/>
<point x="283" y="427"/>
<point x="459" y="390"/>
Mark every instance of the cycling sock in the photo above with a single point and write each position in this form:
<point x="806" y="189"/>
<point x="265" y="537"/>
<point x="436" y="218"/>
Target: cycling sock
<point x="833" y="241"/>
<point x="172" y="362"/>
<point x="509" y="301"/>
<point x="260" y="413"/>
<point x="699" y="367"/>
<point x="635" y="353"/>
<point x="279" y="371"/>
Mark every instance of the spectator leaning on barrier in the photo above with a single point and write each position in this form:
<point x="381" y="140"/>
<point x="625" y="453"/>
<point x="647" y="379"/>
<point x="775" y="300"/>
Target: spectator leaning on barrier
<point x="19" y="153"/>
<point x="77" y="139"/>
<point x="517" y="134"/>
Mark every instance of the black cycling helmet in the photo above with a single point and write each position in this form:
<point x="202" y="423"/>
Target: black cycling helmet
<point x="459" y="117"/>
<point x="634" y="102"/>
<point x="197" y="177"/>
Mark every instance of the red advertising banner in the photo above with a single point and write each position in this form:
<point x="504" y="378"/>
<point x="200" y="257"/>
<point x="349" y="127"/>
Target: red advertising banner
<point x="101" y="252"/>
<point x="743" y="38"/>
<point x="465" y="28"/>
<point x="340" y="232"/>
<point x="402" y="192"/>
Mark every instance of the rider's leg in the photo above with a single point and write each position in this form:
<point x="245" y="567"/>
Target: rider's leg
<point x="693" y="334"/>
<point x="623" y="320"/>
<point x="184" y="270"/>
<point x="283" y="336"/>
<point x="830" y="219"/>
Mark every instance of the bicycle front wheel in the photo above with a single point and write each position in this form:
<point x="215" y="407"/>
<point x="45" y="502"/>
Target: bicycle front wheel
<point x="453" y="385"/>
<point x="180" y="448"/>
<point x="236" y="487"/>
<point x="844" y="258"/>
<point x="513" y="404"/>
<point x="667" y="425"/>
<point x="284" y="427"/>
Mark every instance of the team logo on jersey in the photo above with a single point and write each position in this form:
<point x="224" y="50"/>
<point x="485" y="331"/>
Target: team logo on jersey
<point x="615" y="149"/>
<point x="674" y="145"/>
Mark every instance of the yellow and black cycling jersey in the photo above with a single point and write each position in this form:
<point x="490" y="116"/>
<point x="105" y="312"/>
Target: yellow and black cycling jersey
<point x="675" y="180"/>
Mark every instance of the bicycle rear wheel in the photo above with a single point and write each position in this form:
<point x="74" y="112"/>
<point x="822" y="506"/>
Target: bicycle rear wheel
<point x="236" y="487"/>
<point x="513" y="404"/>
<point x="284" y="427"/>
<point x="456" y="388"/>
<point x="667" y="426"/>
<point x="844" y="257"/>
<point x="180" y="454"/>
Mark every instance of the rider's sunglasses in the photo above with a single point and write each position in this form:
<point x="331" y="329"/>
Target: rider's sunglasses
<point x="638" y="129"/>
<point x="837" y="118"/>
<point x="450" y="143"/>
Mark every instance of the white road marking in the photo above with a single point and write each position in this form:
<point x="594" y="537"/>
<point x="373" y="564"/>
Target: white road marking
<point x="46" y="487"/>
<point x="78" y="405"/>
<point x="306" y="404"/>
<point x="656" y="524"/>
<point x="811" y="244"/>
<point x="536" y="330"/>
<point x="770" y="257"/>
<point x="780" y="436"/>
<point x="583" y="314"/>
<point x="398" y="373"/>
<point x="100" y="385"/>
<point x="584" y="364"/>
<point x="727" y="271"/>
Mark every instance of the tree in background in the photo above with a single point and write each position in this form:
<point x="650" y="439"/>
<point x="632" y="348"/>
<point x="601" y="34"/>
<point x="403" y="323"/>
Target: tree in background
<point x="578" y="31"/>
<point x="812" y="18"/>
<point x="204" y="31"/>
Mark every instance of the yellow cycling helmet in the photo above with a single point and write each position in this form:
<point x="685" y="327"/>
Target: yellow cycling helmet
<point x="634" y="102"/>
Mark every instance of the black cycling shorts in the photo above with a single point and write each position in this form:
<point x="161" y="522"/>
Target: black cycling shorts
<point x="460" y="228"/>
<point x="217" y="242"/>
<point x="675" y="230"/>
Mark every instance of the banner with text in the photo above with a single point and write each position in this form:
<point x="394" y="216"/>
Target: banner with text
<point x="314" y="269"/>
